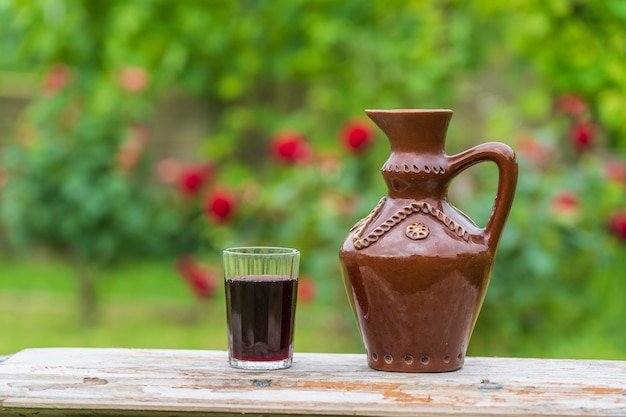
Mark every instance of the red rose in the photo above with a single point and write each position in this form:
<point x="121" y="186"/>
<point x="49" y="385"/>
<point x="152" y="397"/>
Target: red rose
<point x="134" y="79"/>
<point x="615" y="171"/>
<point x="583" y="135"/>
<point x="168" y="171"/>
<point x="192" y="177"/>
<point x="357" y="136"/>
<point x="220" y="205"/>
<point x="535" y="151"/>
<point x="129" y="154"/>
<point x="306" y="289"/>
<point x="566" y="207"/>
<point x="56" y="79"/>
<point x="617" y="224"/>
<point x="290" y="147"/>
<point x="200" y="279"/>
<point x="570" y="105"/>
<point x="565" y="201"/>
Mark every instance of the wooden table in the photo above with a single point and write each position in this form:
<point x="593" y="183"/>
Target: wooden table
<point x="139" y="382"/>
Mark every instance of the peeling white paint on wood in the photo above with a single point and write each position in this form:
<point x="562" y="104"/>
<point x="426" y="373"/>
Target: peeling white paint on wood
<point x="74" y="381"/>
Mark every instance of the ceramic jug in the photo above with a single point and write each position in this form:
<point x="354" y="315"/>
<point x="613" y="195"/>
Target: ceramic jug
<point x="416" y="269"/>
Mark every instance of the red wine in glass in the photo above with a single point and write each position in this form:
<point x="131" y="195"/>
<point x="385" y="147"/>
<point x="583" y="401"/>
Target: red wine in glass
<point x="261" y="315"/>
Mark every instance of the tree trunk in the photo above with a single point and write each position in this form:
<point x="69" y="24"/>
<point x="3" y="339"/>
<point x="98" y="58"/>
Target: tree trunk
<point x="87" y="293"/>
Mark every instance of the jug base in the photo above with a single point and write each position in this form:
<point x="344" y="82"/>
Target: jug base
<point x="389" y="362"/>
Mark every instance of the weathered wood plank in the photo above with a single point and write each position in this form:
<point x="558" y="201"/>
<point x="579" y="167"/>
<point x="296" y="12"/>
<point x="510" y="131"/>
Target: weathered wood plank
<point x="73" y="381"/>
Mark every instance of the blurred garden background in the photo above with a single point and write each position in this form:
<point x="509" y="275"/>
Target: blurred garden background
<point x="138" y="138"/>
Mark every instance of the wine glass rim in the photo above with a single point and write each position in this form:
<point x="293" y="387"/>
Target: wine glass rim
<point x="261" y="251"/>
<point x="414" y="111"/>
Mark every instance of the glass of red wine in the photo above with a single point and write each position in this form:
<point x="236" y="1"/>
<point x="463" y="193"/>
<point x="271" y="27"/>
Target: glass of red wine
<point x="261" y="286"/>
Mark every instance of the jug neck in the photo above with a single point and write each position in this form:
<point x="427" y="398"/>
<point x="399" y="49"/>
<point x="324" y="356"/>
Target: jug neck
<point x="418" y="164"/>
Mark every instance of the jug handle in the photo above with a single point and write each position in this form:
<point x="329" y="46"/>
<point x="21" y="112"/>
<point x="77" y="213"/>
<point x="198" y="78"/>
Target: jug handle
<point x="504" y="157"/>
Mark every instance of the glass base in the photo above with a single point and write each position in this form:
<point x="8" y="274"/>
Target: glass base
<point x="260" y="365"/>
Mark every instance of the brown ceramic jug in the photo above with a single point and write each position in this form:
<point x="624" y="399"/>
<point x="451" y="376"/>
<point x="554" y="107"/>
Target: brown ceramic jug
<point x="416" y="269"/>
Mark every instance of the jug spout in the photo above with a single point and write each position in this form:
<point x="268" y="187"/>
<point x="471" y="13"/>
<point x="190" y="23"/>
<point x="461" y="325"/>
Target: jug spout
<point x="413" y="131"/>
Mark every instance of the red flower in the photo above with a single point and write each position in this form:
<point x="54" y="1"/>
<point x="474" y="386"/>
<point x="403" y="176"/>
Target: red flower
<point x="306" y="289"/>
<point x="583" y="135"/>
<point x="200" y="279"/>
<point x="56" y="79"/>
<point x="617" y="224"/>
<point x="220" y="205"/>
<point x="129" y="154"/>
<point x="134" y="79"/>
<point x="615" y="171"/>
<point x="535" y="151"/>
<point x="168" y="171"/>
<point x="570" y="105"/>
<point x="192" y="177"/>
<point x="290" y="147"/>
<point x="566" y="207"/>
<point x="357" y="136"/>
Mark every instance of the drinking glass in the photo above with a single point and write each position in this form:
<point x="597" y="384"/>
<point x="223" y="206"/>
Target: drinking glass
<point x="261" y="286"/>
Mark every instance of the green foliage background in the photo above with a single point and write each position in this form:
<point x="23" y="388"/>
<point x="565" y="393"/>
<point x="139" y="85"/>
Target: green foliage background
<point x="264" y="66"/>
